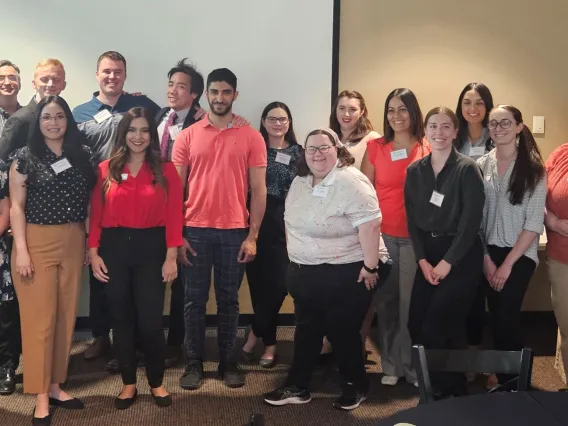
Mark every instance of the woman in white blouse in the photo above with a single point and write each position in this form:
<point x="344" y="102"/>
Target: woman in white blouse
<point x="513" y="218"/>
<point x="337" y="259"/>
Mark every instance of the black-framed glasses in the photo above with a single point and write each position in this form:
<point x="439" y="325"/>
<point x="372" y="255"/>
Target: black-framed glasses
<point x="280" y="120"/>
<point x="311" y="150"/>
<point x="47" y="117"/>
<point x="504" y="124"/>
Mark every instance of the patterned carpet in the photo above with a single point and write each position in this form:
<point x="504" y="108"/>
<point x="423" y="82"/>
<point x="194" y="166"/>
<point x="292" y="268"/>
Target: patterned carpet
<point x="215" y="404"/>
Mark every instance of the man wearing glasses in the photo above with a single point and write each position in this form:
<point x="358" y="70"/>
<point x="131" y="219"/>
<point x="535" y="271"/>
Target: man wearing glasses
<point x="10" y="338"/>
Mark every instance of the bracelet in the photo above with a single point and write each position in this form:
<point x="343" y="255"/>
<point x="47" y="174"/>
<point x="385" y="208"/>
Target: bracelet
<point x="370" y="270"/>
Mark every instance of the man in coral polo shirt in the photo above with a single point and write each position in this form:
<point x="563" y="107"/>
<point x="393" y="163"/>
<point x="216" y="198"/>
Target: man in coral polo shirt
<point x="220" y="161"/>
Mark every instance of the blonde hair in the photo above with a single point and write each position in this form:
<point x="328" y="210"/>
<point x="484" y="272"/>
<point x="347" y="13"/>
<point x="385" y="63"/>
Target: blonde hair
<point x="49" y="62"/>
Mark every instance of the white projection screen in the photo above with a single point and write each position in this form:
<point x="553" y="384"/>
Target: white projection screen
<point x="279" y="50"/>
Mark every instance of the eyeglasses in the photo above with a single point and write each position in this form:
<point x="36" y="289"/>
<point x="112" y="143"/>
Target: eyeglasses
<point x="505" y="124"/>
<point x="311" y="150"/>
<point x="280" y="120"/>
<point x="10" y="77"/>
<point x="47" y="117"/>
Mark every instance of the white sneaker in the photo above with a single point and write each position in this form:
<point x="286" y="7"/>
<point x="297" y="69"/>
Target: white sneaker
<point x="412" y="382"/>
<point x="389" y="380"/>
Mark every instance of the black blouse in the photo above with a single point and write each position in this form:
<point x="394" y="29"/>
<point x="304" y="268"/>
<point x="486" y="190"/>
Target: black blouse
<point x="460" y="212"/>
<point x="54" y="198"/>
<point x="281" y="169"/>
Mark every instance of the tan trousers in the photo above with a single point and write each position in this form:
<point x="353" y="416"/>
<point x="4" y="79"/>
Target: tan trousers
<point x="558" y="275"/>
<point x="48" y="301"/>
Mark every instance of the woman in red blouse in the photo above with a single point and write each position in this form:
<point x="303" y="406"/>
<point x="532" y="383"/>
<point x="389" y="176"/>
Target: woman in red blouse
<point x="135" y="230"/>
<point x="556" y="221"/>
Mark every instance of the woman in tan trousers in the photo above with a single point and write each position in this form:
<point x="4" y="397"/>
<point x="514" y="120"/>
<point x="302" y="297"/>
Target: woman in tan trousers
<point x="50" y="184"/>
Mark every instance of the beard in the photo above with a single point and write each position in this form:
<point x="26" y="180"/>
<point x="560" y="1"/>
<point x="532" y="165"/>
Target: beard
<point x="219" y="109"/>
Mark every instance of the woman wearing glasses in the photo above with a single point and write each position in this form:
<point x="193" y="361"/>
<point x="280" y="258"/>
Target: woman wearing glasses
<point x="513" y="218"/>
<point x="50" y="186"/>
<point x="385" y="164"/>
<point x="333" y="222"/>
<point x="266" y="275"/>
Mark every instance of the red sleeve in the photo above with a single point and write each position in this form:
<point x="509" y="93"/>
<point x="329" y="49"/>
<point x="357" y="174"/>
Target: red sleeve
<point x="372" y="150"/>
<point x="257" y="155"/>
<point x="180" y="151"/>
<point x="174" y="210"/>
<point x="96" y="216"/>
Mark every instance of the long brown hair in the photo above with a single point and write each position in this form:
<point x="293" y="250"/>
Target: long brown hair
<point x="363" y="126"/>
<point x="529" y="166"/>
<point x="409" y="100"/>
<point x="121" y="154"/>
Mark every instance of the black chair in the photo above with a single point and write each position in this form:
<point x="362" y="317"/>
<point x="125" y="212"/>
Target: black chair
<point x="462" y="361"/>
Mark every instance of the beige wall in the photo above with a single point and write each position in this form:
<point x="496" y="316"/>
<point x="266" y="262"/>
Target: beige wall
<point x="518" y="48"/>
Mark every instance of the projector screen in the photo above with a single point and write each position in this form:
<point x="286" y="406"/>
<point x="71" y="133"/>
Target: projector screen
<point x="278" y="50"/>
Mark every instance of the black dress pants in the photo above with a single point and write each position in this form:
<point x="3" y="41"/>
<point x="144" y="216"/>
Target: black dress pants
<point x="328" y="301"/>
<point x="438" y="313"/>
<point x="505" y="305"/>
<point x="266" y="275"/>
<point x="10" y="335"/>
<point x="135" y="293"/>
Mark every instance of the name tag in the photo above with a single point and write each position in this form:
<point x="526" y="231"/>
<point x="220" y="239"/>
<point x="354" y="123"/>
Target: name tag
<point x="399" y="154"/>
<point x="102" y="115"/>
<point x="437" y="199"/>
<point x="283" y="158"/>
<point x="320" y="191"/>
<point x="174" y="131"/>
<point x="61" y="166"/>
<point x="476" y="151"/>
<point x="124" y="176"/>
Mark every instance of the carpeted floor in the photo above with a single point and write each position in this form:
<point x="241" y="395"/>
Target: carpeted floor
<point x="214" y="404"/>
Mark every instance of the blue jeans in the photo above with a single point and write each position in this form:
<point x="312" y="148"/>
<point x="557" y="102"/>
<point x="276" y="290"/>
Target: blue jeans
<point x="218" y="249"/>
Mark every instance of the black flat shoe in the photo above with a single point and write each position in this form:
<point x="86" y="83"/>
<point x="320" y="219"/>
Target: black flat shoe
<point x="41" y="421"/>
<point x="268" y="363"/>
<point x="124" y="403"/>
<point x="70" y="404"/>
<point x="162" y="401"/>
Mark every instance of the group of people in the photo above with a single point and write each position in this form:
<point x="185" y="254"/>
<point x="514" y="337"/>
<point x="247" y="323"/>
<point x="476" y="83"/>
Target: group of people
<point x="424" y="226"/>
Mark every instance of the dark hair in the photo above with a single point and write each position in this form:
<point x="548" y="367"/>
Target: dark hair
<point x="73" y="142"/>
<point x="529" y="166"/>
<point x="290" y="136"/>
<point x="111" y="54"/>
<point x="485" y="94"/>
<point x="363" y="126"/>
<point x="343" y="155"/>
<point x="443" y="110"/>
<point x="416" y="120"/>
<point x="195" y="77"/>
<point x="120" y="152"/>
<point x="7" y="63"/>
<point x="222" y="74"/>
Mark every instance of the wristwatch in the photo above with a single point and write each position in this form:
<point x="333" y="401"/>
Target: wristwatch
<point x="371" y="270"/>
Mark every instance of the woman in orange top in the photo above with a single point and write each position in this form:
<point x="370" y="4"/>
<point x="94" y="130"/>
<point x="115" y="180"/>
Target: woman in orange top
<point x="556" y="221"/>
<point x="385" y="164"/>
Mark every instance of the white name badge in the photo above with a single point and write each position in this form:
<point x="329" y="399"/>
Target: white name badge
<point x="61" y="166"/>
<point x="102" y="115"/>
<point x="437" y="199"/>
<point x="283" y="158"/>
<point x="476" y="151"/>
<point x="174" y="131"/>
<point x="124" y="176"/>
<point x="399" y="154"/>
<point x="320" y="191"/>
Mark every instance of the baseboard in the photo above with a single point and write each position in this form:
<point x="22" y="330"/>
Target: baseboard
<point x="287" y="320"/>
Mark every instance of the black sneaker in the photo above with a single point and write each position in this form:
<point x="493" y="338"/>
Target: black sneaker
<point x="231" y="374"/>
<point x="193" y="375"/>
<point x="350" y="398"/>
<point x="287" y="395"/>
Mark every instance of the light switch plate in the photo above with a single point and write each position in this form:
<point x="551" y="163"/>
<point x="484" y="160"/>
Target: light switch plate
<point x="538" y="125"/>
